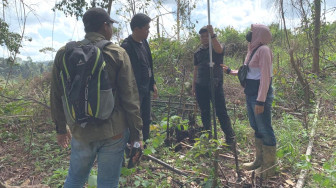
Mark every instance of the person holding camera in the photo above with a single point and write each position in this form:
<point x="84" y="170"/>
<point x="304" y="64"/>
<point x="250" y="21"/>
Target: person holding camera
<point x="259" y="97"/>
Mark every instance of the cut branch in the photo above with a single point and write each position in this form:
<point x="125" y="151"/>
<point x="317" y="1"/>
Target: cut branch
<point x="304" y="172"/>
<point x="166" y="165"/>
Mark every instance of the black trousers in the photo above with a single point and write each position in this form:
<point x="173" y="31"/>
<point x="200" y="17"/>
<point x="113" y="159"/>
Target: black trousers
<point x="203" y="97"/>
<point x="145" y="109"/>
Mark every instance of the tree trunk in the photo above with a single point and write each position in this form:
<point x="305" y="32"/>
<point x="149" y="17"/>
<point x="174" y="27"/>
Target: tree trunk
<point x="317" y="25"/>
<point x="109" y="6"/>
<point x="158" y="26"/>
<point x="178" y="20"/>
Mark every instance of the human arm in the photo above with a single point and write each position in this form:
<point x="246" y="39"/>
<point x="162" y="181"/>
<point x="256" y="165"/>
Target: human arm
<point x="194" y="80"/>
<point x="129" y="97"/>
<point x="56" y="107"/>
<point x="227" y="70"/>
<point x="215" y="43"/>
<point x="155" y="92"/>
<point x="265" y="60"/>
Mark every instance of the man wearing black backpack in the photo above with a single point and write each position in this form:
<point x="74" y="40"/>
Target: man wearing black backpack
<point x="139" y="52"/>
<point x="95" y="133"/>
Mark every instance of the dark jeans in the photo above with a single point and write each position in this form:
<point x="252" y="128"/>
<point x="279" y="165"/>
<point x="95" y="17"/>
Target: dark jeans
<point x="261" y="123"/>
<point x="203" y="97"/>
<point x="145" y="109"/>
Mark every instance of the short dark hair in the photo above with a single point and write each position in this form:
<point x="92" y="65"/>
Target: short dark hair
<point x="140" y="20"/>
<point x="94" y="18"/>
<point x="203" y="30"/>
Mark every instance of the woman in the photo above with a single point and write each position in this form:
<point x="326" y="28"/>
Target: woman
<point x="259" y="98"/>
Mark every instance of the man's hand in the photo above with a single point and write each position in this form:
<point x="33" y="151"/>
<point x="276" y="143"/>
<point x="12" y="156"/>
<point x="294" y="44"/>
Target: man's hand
<point x="63" y="140"/>
<point x="135" y="154"/>
<point x="210" y="30"/>
<point x="155" y="94"/>
<point x="258" y="109"/>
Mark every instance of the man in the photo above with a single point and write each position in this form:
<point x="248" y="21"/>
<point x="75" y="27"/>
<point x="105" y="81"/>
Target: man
<point x="106" y="139"/>
<point x="201" y="82"/>
<point x="140" y="54"/>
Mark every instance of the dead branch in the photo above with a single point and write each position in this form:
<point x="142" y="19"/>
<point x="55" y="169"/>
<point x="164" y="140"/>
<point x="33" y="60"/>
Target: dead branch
<point x="27" y="99"/>
<point x="302" y="80"/>
<point x="304" y="172"/>
<point x="166" y="165"/>
<point x="221" y="155"/>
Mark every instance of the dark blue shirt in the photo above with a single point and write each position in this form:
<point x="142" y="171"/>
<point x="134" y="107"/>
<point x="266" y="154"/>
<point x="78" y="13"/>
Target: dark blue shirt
<point x="202" y="59"/>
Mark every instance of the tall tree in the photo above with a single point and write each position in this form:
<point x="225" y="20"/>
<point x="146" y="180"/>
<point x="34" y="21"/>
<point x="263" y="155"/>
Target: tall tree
<point x="317" y="27"/>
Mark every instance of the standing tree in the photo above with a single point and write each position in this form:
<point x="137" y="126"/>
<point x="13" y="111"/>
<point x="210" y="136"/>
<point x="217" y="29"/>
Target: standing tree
<point x="316" y="43"/>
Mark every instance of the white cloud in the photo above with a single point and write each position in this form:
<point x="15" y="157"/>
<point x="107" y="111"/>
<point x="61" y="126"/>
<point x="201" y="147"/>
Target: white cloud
<point x="239" y="14"/>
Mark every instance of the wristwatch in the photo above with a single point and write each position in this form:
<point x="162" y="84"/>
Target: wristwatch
<point x="213" y="36"/>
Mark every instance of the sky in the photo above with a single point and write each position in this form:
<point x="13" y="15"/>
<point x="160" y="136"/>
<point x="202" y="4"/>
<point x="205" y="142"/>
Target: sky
<point x="53" y="29"/>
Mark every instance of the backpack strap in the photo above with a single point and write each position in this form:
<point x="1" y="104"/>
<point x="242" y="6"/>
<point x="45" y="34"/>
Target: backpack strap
<point x="101" y="44"/>
<point x="70" y="45"/>
<point x="254" y="51"/>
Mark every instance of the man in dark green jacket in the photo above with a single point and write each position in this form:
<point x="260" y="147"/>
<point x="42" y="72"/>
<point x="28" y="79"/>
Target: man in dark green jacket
<point x="105" y="140"/>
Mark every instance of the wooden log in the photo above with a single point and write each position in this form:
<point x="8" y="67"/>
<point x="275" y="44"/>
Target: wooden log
<point x="304" y="172"/>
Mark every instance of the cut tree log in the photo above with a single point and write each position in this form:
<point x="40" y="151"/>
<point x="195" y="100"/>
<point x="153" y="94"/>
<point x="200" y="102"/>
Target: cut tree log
<point x="304" y="172"/>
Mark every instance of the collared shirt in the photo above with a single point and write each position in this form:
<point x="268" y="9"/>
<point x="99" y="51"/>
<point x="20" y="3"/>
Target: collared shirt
<point x="202" y="59"/>
<point x="126" y="113"/>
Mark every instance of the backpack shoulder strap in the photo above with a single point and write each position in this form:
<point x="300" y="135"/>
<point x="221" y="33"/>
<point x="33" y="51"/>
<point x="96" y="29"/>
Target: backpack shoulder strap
<point x="70" y="45"/>
<point x="101" y="44"/>
<point x="254" y="51"/>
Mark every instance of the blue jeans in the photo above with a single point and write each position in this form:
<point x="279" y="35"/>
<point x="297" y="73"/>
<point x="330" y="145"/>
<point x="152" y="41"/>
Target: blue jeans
<point x="110" y="154"/>
<point x="261" y="123"/>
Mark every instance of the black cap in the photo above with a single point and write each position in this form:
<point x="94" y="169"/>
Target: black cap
<point x="95" y="17"/>
<point x="203" y="30"/>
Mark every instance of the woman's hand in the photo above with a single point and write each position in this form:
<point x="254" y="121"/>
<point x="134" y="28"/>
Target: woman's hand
<point x="227" y="70"/>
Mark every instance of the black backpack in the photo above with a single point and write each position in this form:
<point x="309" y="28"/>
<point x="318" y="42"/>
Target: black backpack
<point x="244" y="69"/>
<point x="87" y="91"/>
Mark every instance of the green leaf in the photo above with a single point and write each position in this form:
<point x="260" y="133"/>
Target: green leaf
<point x="317" y="177"/>
<point x="92" y="181"/>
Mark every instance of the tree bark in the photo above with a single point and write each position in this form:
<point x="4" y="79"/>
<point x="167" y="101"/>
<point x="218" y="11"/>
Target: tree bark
<point x="158" y="26"/>
<point x="178" y="20"/>
<point x="316" y="48"/>
<point x="109" y="6"/>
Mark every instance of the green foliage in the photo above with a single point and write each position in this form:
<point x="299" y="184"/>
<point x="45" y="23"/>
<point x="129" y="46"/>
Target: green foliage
<point x="327" y="176"/>
<point x="10" y="39"/>
<point x="291" y="137"/>
<point x="23" y="69"/>
<point x="231" y="35"/>
<point x="58" y="177"/>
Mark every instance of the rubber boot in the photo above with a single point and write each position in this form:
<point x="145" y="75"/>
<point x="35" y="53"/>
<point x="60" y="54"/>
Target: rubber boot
<point x="268" y="166"/>
<point x="258" y="156"/>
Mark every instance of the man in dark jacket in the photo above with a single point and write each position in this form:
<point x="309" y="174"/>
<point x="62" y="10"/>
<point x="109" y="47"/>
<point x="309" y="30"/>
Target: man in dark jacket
<point x="201" y="82"/>
<point x="139" y="52"/>
<point x="107" y="139"/>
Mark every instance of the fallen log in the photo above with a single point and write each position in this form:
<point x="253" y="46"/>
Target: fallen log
<point x="304" y="172"/>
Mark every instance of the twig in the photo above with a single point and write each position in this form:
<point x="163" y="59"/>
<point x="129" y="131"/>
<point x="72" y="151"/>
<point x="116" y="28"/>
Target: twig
<point x="304" y="172"/>
<point x="221" y="155"/>
<point x="27" y="98"/>
<point x="166" y="165"/>
<point x="5" y="117"/>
